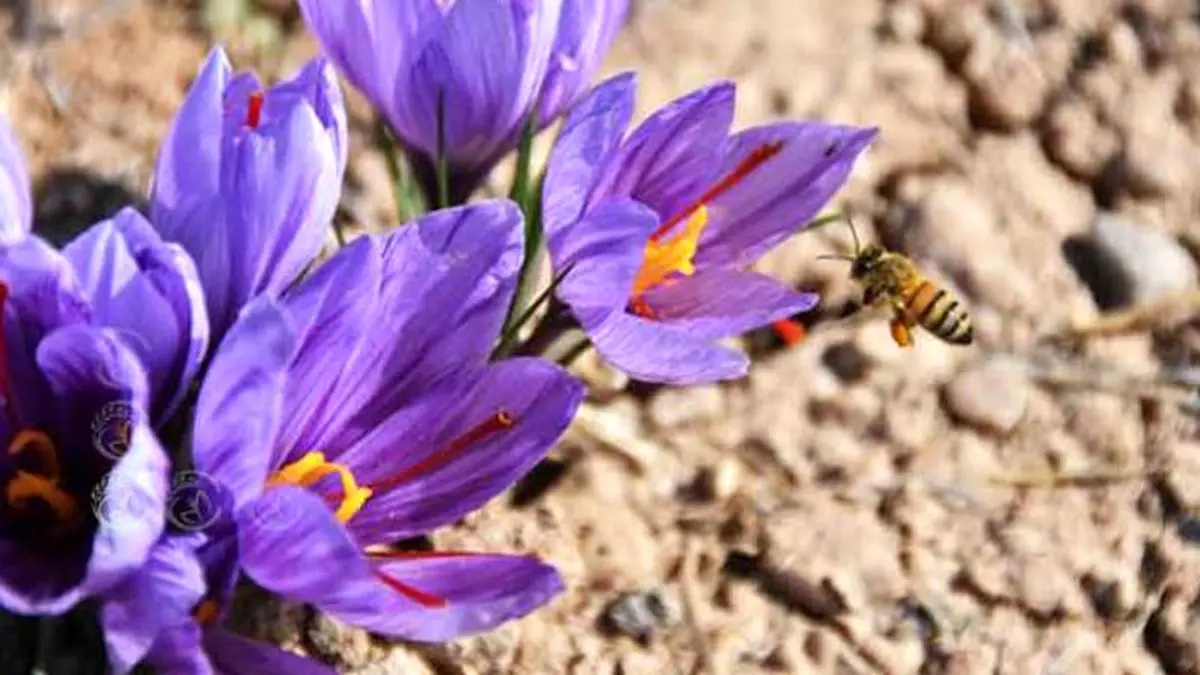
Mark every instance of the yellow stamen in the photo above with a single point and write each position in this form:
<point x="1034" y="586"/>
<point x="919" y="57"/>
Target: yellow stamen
<point x="311" y="468"/>
<point x="671" y="256"/>
<point x="39" y="443"/>
<point x="25" y="486"/>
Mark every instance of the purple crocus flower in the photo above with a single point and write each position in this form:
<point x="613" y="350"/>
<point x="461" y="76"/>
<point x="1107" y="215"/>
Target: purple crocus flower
<point x="16" y="212"/>
<point x="147" y="292"/>
<point x="657" y="228"/>
<point x="248" y="180"/>
<point x="487" y="63"/>
<point x="150" y="618"/>
<point x="84" y="478"/>
<point x="362" y="409"/>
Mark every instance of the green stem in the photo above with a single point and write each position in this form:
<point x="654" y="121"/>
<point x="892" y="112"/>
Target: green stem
<point x="513" y="327"/>
<point x="443" y="164"/>
<point x="406" y="200"/>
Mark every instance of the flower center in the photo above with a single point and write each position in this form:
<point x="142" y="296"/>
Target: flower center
<point x="351" y="497"/>
<point x="43" y="484"/>
<point x="254" y="107"/>
<point x="667" y="258"/>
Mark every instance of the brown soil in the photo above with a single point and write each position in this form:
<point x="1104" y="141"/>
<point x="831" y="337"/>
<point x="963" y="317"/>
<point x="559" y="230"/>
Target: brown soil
<point x="1021" y="506"/>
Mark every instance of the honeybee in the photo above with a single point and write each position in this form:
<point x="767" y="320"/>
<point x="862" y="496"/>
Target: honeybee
<point x="889" y="279"/>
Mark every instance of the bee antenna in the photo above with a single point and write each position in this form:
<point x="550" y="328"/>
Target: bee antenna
<point x="853" y="232"/>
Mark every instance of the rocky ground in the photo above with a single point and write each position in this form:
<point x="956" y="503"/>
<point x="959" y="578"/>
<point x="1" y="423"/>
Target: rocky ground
<point x="1027" y="505"/>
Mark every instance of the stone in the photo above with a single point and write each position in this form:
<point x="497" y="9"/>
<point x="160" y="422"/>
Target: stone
<point x="1006" y="87"/>
<point x="1125" y="264"/>
<point x="991" y="396"/>
<point x="1075" y="138"/>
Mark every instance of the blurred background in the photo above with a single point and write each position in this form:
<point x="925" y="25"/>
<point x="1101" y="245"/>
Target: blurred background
<point x="1030" y="504"/>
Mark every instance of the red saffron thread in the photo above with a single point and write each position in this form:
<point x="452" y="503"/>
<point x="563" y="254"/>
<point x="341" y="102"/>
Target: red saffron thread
<point x="498" y="422"/>
<point x="254" y="108"/>
<point x="415" y="594"/>
<point x="791" y="332"/>
<point x="747" y="166"/>
<point x="419" y="555"/>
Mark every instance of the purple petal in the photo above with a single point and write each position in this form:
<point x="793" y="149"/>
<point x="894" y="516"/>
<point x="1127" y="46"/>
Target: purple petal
<point x="16" y="212"/>
<point x="589" y="136"/>
<point x="282" y="183"/>
<point x="489" y="59"/>
<point x="719" y="303"/>
<point x="314" y="85"/>
<point x="158" y="596"/>
<point x="373" y="43"/>
<point x="586" y="30"/>
<point x="238" y="413"/>
<point x="441" y="485"/>
<point x="604" y="251"/>
<point x="481" y="592"/>
<point x="784" y="194"/>
<point x="441" y="293"/>
<point x="180" y="651"/>
<point x="43" y="295"/>
<point x="236" y="655"/>
<point x="292" y="545"/>
<point x="671" y="157"/>
<point x="656" y="352"/>
<point x="86" y="367"/>
<point x="149" y="292"/>
<point x="188" y="169"/>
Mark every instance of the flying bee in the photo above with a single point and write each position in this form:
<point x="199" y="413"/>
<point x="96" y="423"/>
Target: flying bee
<point x="889" y="279"/>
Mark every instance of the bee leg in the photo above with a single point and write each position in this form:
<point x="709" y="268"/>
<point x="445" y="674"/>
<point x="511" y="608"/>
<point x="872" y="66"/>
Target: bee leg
<point x="900" y="332"/>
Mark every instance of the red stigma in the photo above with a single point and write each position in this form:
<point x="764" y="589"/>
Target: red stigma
<point x="6" y="389"/>
<point x="447" y="453"/>
<point x="418" y="555"/>
<point x="791" y="332"/>
<point x="755" y="159"/>
<point x="254" y="108"/>
<point x="423" y="598"/>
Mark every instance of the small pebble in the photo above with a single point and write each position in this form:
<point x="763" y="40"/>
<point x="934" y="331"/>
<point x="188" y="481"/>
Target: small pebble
<point x="991" y="396"/>
<point x="1126" y="264"/>
<point x="846" y="361"/>
<point x="641" y="614"/>
<point x="721" y="481"/>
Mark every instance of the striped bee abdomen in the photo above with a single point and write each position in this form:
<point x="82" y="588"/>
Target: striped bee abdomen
<point x="938" y="312"/>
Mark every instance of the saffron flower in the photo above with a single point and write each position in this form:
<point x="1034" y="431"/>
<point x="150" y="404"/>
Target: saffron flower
<point x="74" y="422"/>
<point x="475" y="69"/>
<point x="361" y="409"/>
<point x="16" y="212"/>
<point x="655" y="231"/>
<point x="248" y="180"/>
<point x="148" y="619"/>
<point x="148" y="293"/>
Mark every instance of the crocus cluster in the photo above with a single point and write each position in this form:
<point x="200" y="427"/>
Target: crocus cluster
<point x="192" y="403"/>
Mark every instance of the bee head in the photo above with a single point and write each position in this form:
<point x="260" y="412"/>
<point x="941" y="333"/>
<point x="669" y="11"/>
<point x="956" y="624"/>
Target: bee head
<point x="865" y="261"/>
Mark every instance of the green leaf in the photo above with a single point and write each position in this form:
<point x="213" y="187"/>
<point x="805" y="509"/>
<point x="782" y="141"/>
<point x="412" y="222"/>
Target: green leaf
<point x="406" y="195"/>
<point x="443" y="164"/>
